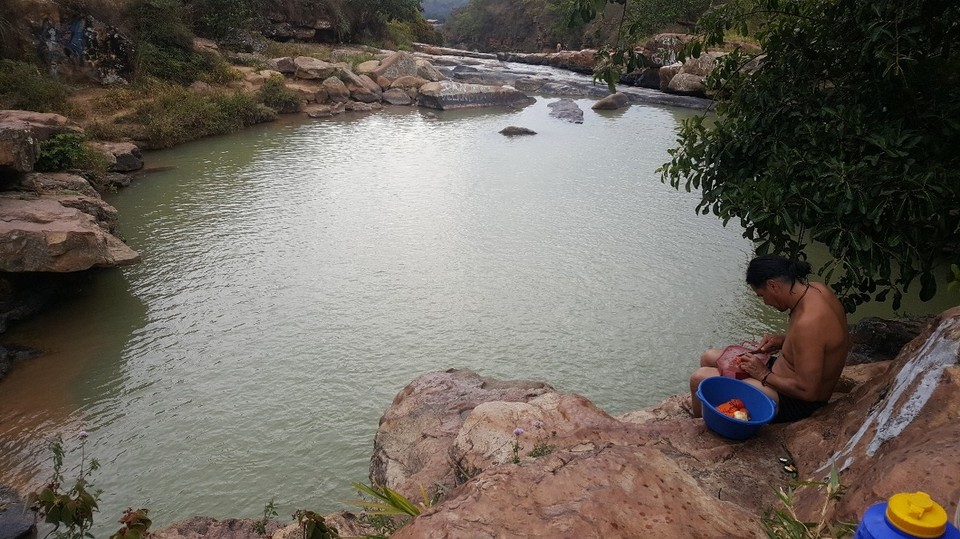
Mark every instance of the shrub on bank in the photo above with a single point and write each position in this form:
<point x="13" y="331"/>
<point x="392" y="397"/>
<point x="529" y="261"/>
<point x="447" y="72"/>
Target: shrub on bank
<point x="66" y="151"/>
<point x="275" y="94"/>
<point x="177" y="115"/>
<point x="23" y="86"/>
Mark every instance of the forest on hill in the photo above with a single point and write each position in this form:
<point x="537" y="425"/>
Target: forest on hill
<point x="440" y="9"/>
<point x="538" y="25"/>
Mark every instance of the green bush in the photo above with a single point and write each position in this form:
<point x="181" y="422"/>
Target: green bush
<point x="178" y="115"/>
<point x="218" y="18"/>
<point x="165" y="46"/>
<point x="23" y="86"/>
<point x="66" y="151"/>
<point x="275" y="94"/>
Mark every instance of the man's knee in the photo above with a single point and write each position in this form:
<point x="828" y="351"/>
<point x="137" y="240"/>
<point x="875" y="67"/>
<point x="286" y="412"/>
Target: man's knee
<point x="709" y="357"/>
<point x="700" y="375"/>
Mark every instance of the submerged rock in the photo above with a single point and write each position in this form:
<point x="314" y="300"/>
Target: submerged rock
<point x="566" y="109"/>
<point x="513" y="131"/>
<point x="446" y="95"/>
<point x="612" y="102"/>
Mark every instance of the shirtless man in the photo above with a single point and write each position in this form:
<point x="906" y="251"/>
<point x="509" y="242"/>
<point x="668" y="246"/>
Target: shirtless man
<point x="812" y="352"/>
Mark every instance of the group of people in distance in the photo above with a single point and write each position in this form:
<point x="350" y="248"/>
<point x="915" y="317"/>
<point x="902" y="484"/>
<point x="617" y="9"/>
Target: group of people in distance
<point x="805" y="363"/>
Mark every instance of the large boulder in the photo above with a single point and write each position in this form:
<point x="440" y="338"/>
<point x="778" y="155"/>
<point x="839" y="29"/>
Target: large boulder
<point x="690" y="80"/>
<point x="311" y="68"/>
<point x="612" y="102"/>
<point x="567" y="110"/>
<point x="412" y="446"/>
<point x="447" y="95"/>
<point x="41" y="125"/>
<point x="283" y="65"/>
<point x="368" y="67"/>
<point x="571" y="468"/>
<point x="16" y="519"/>
<point x="425" y="70"/>
<point x="396" y="96"/>
<point x="582" y="61"/>
<point x="647" y="77"/>
<point x="307" y="89"/>
<point x="667" y="73"/>
<point x="57" y="234"/>
<point x="408" y="82"/>
<point x="122" y="156"/>
<point x="877" y="339"/>
<point x="18" y="147"/>
<point x="22" y="130"/>
<point x="687" y="84"/>
<point x="336" y="90"/>
<point x="398" y="64"/>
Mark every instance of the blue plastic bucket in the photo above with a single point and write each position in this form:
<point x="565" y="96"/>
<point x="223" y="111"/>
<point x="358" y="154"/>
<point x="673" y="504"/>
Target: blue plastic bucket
<point x="717" y="390"/>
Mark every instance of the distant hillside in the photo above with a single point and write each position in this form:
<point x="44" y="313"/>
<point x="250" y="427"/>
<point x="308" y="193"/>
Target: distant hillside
<point x="440" y="9"/>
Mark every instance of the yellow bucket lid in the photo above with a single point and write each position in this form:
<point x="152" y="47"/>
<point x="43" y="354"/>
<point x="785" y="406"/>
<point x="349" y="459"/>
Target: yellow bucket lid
<point x="915" y="513"/>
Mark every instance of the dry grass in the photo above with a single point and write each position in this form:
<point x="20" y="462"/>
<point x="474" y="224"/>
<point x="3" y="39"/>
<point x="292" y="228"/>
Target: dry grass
<point x="278" y="50"/>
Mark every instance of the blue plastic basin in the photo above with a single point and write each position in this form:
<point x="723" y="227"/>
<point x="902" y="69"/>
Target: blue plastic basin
<point x="717" y="390"/>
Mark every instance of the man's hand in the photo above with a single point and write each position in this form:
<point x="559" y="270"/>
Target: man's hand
<point x="771" y="343"/>
<point x="753" y="365"/>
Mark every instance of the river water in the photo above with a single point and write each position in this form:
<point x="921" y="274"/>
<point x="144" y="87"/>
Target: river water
<point x="297" y="275"/>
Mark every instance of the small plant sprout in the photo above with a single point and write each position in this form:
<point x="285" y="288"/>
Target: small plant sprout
<point x="541" y="448"/>
<point x="312" y="525"/>
<point x="517" y="433"/>
<point x="784" y="523"/>
<point x="135" y="525"/>
<point x="391" y="503"/>
<point x="72" y="509"/>
<point x="269" y="513"/>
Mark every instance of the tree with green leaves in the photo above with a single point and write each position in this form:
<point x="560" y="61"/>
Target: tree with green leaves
<point x="842" y="131"/>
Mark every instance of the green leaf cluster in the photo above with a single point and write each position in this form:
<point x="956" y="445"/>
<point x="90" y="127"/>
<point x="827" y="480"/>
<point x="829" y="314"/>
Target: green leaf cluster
<point x="73" y="508"/>
<point x="313" y="526"/>
<point x="136" y="525"/>
<point x="165" y="45"/>
<point x="783" y="522"/>
<point x="842" y="131"/>
<point x="219" y="18"/>
<point x="391" y="503"/>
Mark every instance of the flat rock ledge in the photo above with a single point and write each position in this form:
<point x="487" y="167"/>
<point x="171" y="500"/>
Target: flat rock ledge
<point x="447" y="95"/>
<point x="58" y="223"/>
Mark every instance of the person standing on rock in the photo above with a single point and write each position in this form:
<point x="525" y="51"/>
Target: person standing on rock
<point x="559" y="47"/>
<point x="813" y="351"/>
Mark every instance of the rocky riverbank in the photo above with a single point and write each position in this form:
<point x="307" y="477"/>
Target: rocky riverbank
<point x="576" y="471"/>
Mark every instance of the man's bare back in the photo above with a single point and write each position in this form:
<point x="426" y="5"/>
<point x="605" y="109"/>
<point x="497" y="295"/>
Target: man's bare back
<point x="815" y="346"/>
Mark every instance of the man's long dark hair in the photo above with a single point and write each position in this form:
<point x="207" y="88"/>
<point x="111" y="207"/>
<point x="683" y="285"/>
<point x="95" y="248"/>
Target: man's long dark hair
<point x="767" y="267"/>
